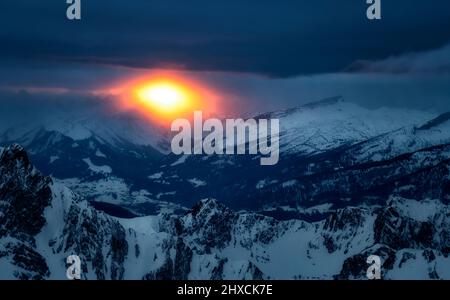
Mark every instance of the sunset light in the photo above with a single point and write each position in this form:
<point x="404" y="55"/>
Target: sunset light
<point x="164" y="97"/>
<point x="263" y="144"/>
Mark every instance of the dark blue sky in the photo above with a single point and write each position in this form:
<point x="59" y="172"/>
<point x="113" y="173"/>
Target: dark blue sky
<point x="291" y="47"/>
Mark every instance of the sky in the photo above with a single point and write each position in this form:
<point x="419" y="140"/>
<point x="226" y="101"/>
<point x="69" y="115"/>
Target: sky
<point x="258" y="55"/>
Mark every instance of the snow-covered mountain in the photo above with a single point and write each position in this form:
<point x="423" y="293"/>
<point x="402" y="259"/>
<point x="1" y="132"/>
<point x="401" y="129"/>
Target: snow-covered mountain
<point x="333" y="154"/>
<point x="407" y="139"/>
<point x="332" y="123"/>
<point x="42" y="222"/>
<point x="114" y="130"/>
<point x="102" y="160"/>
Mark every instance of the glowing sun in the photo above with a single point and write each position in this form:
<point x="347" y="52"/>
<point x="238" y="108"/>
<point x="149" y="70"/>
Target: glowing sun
<point x="163" y="97"/>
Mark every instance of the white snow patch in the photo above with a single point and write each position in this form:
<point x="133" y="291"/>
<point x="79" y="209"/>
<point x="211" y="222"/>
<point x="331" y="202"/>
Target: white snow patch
<point x="289" y="183"/>
<point x="265" y="182"/>
<point x="156" y="175"/>
<point x="53" y="158"/>
<point x="179" y="161"/>
<point x="97" y="169"/>
<point x="421" y="211"/>
<point x="99" y="153"/>
<point x="165" y="194"/>
<point x="196" y="182"/>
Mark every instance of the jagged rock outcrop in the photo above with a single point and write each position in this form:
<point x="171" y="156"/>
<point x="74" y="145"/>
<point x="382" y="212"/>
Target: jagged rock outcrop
<point x="24" y="193"/>
<point x="30" y="203"/>
<point x="43" y="222"/>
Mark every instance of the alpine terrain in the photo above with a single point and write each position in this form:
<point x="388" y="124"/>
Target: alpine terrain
<point x="351" y="182"/>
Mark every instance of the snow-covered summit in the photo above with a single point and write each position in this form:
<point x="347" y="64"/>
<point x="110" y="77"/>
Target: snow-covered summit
<point x="407" y="139"/>
<point x="114" y="131"/>
<point x="333" y="122"/>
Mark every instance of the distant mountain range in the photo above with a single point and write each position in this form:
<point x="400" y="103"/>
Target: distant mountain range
<point x="333" y="154"/>
<point x="350" y="182"/>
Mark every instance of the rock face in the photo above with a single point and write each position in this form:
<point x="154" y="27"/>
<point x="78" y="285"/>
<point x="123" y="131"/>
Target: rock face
<point x="43" y="222"/>
<point x="86" y="233"/>
<point x="22" y="209"/>
<point x="24" y="194"/>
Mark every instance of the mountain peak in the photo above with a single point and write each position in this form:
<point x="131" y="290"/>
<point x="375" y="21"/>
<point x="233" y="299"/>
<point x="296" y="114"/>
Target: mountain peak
<point x="208" y="205"/>
<point x="25" y="194"/>
<point x="441" y="119"/>
<point x="14" y="152"/>
<point x="310" y="105"/>
<point x="324" y="102"/>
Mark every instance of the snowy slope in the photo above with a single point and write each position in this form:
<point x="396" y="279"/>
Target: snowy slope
<point x="333" y="153"/>
<point x="42" y="222"/>
<point x="107" y="162"/>
<point x="116" y="131"/>
<point x="332" y="122"/>
<point x="405" y="140"/>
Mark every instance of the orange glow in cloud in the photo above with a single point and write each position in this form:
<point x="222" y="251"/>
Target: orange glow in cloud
<point x="164" y="97"/>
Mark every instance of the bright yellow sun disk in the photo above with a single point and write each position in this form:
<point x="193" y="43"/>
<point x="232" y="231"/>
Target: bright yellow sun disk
<point x="163" y="98"/>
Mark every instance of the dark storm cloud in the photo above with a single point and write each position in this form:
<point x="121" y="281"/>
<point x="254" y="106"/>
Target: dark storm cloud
<point x="372" y="90"/>
<point x="429" y="62"/>
<point x="274" y="38"/>
<point x="304" y="51"/>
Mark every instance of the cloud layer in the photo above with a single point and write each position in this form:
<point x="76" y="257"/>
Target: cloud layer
<point x="259" y="54"/>
<point x="273" y="38"/>
<point x="428" y="62"/>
